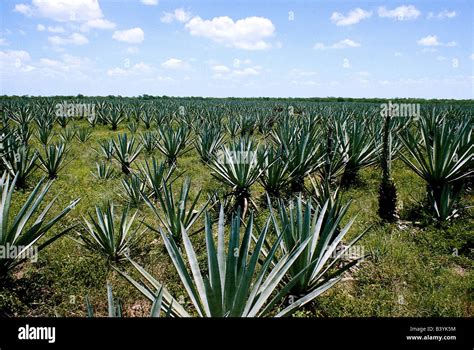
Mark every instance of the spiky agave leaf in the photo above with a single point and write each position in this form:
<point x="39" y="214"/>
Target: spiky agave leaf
<point x="53" y="159"/>
<point x="241" y="282"/>
<point x="110" y="235"/>
<point x="172" y="143"/>
<point x="443" y="157"/>
<point x="177" y="213"/>
<point x="23" y="232"/>
<point x="126" y="151"/>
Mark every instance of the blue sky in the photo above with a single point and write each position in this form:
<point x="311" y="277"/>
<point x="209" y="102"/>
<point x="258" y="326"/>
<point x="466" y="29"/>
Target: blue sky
<point x="237" y="48"/>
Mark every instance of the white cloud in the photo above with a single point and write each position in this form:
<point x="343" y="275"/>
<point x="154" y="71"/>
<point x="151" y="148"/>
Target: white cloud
<point x="220" y="69"/>
<point x="62" y="10"/>
<point x="51" y="29"/>
<point x="136" y="69"/>
<point x="132" y="36"/>
<point x="249" y="71"/>
<point x="247" y="33"/>
<point x="24" y="9"/>
<point x="179" y="15"/>
<point x="353" y="17"/>
<point x="441" y="58"/>
<point x="3" y="42"/>
<point x="149" y="2"/>
<point x="236" y="74"/>
<point x="343" y="44"/>
<point x="401" y="13"/>
<point x="15" y="61"/>
<point x="442" y="15"/>
<point x="432" y="40"/>
<point x="73" y="39"/>
<point x="472" y="56"/>
<point x="175" y="63"/>
<point x="98" y="23"/>
<point x="55" y="29"/>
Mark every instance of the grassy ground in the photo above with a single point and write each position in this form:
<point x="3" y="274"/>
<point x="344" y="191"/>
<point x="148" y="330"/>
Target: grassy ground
<point x="413" y="269"/>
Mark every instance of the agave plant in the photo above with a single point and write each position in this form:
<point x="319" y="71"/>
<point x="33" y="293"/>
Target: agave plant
<point x="103" y="171"/>
<point x="208" y="141"/>
<point x="300" y="222"/>
<point x="173" y="142"/>
<point x="44" y="134"/>
<point x="132" y="126"/>
<point x="17" y="229"/>
<point x="84" y="134"/>
<point x="241" y="282"/>
<point x="67" y="134"/>
<point x="443" y="157"/>
<point x="114" y="306"/>
<point x="302" y="156"/>
<point x="275" y="176"/>
<point x="148" y="140"/>
<point x="133" y="189"/>
<point x="106" y="147"/>
<point x="147" y="119"/>
<point x="115" y="116"/>
<point x="155" y="175"/>
<point x="53" y="159"/>
<point x="108" y="236"/>
<point x="20" y="163"/>
<point x="125" y="151"/>
<point x="177" y="213"/>
<point x="63" y="120"/>
<point x="24" y="132"/>
<point x="358" y="147"/>
<point x="237" y="166"/>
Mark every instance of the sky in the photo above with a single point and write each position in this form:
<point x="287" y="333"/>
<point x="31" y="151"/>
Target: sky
<point x="245" y="48"/>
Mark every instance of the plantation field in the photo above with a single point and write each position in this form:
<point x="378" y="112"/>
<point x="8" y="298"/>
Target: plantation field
<point x="418" y="263"/>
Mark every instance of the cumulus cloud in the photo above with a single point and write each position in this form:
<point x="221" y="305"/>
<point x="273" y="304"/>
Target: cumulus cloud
<point x="220" y="69"/>
<point x="175" y="63"/>
<point x="353" y="17"/>
<point x="400" y="13"/>
<point x="179" y="15"/>
<point x="51" y="29"/>
<point x="15" y="61"/>
<point x="248" y="33"/>
<point x="136" y="69"/>
<point x="86" y="13"/>
<point x="442" y="15"/>
<point x="98" y="23"/>
<point x="62" y="10"/>
<point x="432" y="40"/>
<point x="132" y="36"/>
<point x="237" y="73"/>
<point x="343" y="44"/>
<point x="73" y="39"/>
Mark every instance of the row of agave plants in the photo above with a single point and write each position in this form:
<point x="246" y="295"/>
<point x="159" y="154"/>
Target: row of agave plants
<point x="257" y="271"/>
<point x="251" y="271"/>
<point x="282" y="148"/>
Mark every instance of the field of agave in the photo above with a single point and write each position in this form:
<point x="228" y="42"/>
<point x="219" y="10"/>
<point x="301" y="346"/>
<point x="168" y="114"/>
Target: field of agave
<point x="234" y="207"/>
